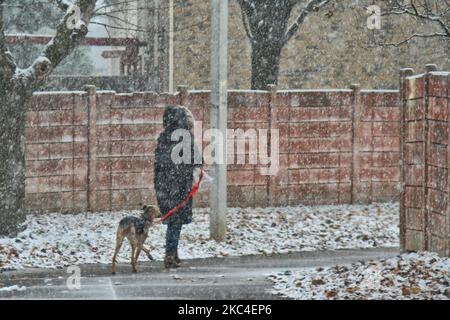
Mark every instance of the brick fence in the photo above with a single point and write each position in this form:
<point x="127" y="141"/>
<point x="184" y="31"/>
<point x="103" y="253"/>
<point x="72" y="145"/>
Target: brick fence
<point x="92" y="151"/>
<point x="424" y="205"/>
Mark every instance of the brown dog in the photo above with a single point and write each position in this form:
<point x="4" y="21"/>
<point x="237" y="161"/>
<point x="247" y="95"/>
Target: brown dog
<point x="136" y="231"/>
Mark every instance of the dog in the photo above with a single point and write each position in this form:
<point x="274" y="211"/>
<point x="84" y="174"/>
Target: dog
<point x="135" y="229"/>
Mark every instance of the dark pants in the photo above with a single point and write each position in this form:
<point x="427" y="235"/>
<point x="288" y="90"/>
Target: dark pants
<point x="173" y="237"/>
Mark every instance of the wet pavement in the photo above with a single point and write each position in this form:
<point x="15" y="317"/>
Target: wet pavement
<point x="215" y="278"/>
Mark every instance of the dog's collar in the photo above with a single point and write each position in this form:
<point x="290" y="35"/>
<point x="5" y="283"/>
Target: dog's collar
<point x="147" y="219"/>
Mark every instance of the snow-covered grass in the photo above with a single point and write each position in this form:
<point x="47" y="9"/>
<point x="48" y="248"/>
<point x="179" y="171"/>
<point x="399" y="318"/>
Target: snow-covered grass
<point x="57" y="240"/>
<point x="409" y="276"/>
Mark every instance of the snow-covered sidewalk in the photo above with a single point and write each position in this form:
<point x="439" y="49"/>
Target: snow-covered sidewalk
<point x="407" y="276"/>
<point x="57" y="240"/>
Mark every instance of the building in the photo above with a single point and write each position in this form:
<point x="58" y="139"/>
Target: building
<point x="333" y="48"/>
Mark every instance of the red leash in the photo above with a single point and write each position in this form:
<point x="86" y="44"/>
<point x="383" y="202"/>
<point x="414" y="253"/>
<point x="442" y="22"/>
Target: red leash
<point x="190" y="195"/>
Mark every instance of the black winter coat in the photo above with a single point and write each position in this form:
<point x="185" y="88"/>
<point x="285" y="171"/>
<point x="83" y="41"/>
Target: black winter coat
<point x="172" y="181"/>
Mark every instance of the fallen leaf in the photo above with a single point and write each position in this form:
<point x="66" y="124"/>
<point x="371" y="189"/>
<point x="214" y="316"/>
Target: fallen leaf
<point x="331" y="294"/>
<point x="415" y="290"/>
<point x="406" y="291"/>
<point x="317" y="282"/>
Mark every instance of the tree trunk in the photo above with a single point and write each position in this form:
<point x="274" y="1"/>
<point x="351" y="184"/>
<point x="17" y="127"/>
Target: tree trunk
<point x="12" y="161"/>
<point x="265" y="64"/>
<point x="16" y="88"/>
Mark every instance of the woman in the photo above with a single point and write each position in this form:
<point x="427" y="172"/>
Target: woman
<point x="174" y="180"/>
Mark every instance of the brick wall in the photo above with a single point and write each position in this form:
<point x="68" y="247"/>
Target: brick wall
<point x="57" y="152"/>
<point x="94" y="151"/>
<point x="424" y="213"/>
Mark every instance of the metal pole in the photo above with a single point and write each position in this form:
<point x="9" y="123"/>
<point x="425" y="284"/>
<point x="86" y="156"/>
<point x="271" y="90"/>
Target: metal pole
<point x="219" y="95"/>
<point x="171" y="52"/>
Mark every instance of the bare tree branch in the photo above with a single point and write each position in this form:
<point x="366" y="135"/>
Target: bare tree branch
<point x="439" y="14"/>
<point x="63" y="4"/>
<point x="246" y="26"/>
<point x="116" y="27"/>
<point x="108" y="5"/>
<point x="129" y="26"/>
<point x="247" y="6"/>
<point x="313" y="5"/>
<point x="416" y="35"/>
<point x="62" y="44"/>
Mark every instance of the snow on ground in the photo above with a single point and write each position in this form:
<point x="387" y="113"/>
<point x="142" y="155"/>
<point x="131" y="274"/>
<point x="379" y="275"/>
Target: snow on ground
<point x="409" y="276"/>
<point x="12" y="288"/>
<point x="57" y="240"/>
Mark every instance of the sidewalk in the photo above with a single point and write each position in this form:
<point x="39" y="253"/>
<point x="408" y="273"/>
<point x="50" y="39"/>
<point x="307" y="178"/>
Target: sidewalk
<point x="214" y="278"/>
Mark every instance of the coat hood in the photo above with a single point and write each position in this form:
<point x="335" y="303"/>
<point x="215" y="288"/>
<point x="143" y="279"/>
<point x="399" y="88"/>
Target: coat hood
<point x="177" y="117"/>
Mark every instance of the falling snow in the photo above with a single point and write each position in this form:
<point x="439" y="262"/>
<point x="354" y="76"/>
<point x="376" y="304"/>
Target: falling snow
<point x="66" y="149"/>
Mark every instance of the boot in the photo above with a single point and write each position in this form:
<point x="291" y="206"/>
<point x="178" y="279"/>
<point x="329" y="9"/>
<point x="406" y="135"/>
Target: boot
<point x="170" y="261"/>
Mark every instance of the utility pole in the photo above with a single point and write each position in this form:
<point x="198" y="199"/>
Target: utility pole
<point x="171" y="48"/>
<point x="219" y="103"/>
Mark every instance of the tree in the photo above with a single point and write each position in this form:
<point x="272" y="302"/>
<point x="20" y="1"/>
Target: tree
<point x="16" y="89"/>
<point x="36" y="16"/>
<point x="266" y="23"/>
<point x="435" y="13"/>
